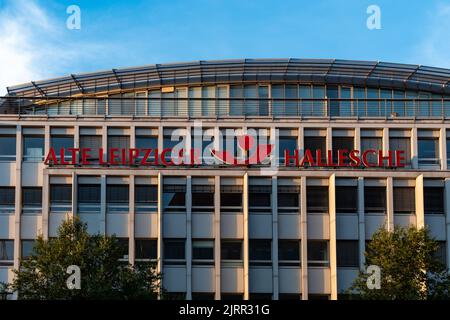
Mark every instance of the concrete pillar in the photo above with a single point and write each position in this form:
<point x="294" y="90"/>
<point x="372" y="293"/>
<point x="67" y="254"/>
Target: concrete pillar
<point x="159" y="265"/>
<point x="390" y="204"/>
<point x="275" y="276"/>
<point x="357" y="139"/>
<point x="361" y="223"/>
<point x="217" y="253"/>
<point x="246" y="240"/>
<point x="420" y="209"/>
<point x="304" y="239"/>
<point x="102" y="220"/>
<point x="447" y="217"/>
<point x="189" y="238"/>
<point x="105" y="141"/>
<point x="45" y="203"/>
<point x="443" y="148"/>
<point x="76" y="136"/>
<point x="385" y="142"/>
<point x="301" y="142"/>
<point x="131" y="219"/>
<point x="333" y="255"/>
<point x="74" y="181"/>
<point x="329" y="140"/>
<point x="18" y="197"/>
<point x="414" y="149"/>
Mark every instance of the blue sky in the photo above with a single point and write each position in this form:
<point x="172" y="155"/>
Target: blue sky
<point x="35" y="43"/>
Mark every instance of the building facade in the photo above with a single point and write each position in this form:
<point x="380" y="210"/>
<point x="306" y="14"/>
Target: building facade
<point x="230" y="231"/>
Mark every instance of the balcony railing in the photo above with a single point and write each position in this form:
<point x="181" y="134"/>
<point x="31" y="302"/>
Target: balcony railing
<point x="166" y="107"/>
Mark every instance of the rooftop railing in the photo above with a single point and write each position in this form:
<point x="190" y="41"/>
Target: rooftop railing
<point x="166" y="107"/>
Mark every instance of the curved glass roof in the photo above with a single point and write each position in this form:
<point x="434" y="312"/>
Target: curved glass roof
<point x="358" y="73"/>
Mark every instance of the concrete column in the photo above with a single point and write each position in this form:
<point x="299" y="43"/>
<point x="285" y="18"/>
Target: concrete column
<point x="246" y="240"/>
<point x="361" y="223"/>
<point x="76" y="136"/>
<point x="159" y="265"/>
<point x="102" y="220"/>
<point x="420" y="209"/>
<point x="45" y="203"/>
<point x="189" y="238"/>
<point x="414" y="149"/>
<point x="74" y="181"/>
<point x="357" y="139"/>
<point x="443" y="148"/>
<point x="160" y="139"/>
<point x="329" y="140"/>
<point x="217" y="253"/>
<point x="385" y="141"/>
<point x="390" y="204"/>
<point x="333" y="255"/>
<point x="304" y="239"/>
<point x="46" y="140"/>
<point x="275" y="277"/>
<point x="18" y="197"/>
<point x="301" y="142"/>
<point x="447" y="218"/>
<point x="131" y="217"/>
<point x="105" y="142"/>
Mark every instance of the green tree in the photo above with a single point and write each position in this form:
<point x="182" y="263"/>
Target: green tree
<point x="409" y="267"/>
<point x="43" y="274"/>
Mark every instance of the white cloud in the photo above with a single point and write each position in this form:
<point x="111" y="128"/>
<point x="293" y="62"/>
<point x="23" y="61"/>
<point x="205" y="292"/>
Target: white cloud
<point x="434" y="49"/>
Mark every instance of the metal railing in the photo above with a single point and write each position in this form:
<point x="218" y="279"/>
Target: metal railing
<point x="226" y="107"/>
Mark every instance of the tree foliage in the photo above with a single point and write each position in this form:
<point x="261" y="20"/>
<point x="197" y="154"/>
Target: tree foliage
<point x="409" y="267"/>
<point x="103" y="276"/>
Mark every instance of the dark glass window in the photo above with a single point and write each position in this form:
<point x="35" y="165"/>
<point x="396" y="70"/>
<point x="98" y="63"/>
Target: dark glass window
<point x="375" y="199"/>
<point x="404" y="200"/>
<point x="316" y="143"/>
<point x="33" y="148"/>
<point x="202" y="196"/>
<point x="231" y="197"/>
<point x="92" y="142"/>
<point x="174" y="197"/>
<point x="174" y="249"/>
<point x="401" y="144"/>
<point x="287" y="144"/>
<point x="146" y="142"/>
<point x="146" y="194"/>
<point x="288" y="251"/>
<point x="428" y="150"/>
<point x="342" y="143"/>
<point x="203" y="250"/>
<point x="448" y="150"/>
<point x="32" y="197"/>
<point x="89" y="193"/>
<point x="371" y="143"/>
<point x="26" y="248"/>
<point x="120" y="142"/>
<point x="260" y="250"/>
<point x="259" y="196"/>
<point x="61" y="193"/>
<point x="117" y="193"/>
<point x="6" y="252"/>
<point x="317" y="253"/>
<point x="317" y="199"/>
<point x="433" y="198"/>
<point x="62" y="142"/>
<point x="7" y="196"/>
<point x="124" y="247"/>
<point x="288" y="198"/>
<point x="8" y="148"/>
<point x="441" y="252"/>
<point x="146" y="249"/>
<point x="346" y="199"/>
<point x="231" y="250"/>
<point x="347" y="253"/>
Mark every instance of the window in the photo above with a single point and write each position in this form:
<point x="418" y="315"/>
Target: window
<point x="288" y="199"/>
<point x="260" y="252"/>
<point x="231" y="249"/>
<point x="342" y="143"/>
<point x="7" y="199"/>
<point x="117" y="197"/>
<point x="32" y="199"/>
<point x="428" y="150"/>
<point x="60" y="197"/>
<point x="203" y="198"/>
<point x="346" y="199"/>
<point x="124" y="248"/>
<point x="203" y="252"/>
<point x="6" y="252"/>
<point x="33" y="148"/>
<point x="318" y="253"/>
<point x="120" y="142"/>
<point x="176" y="144"/>
<point x="375" y="199"/>
<point x="347" y="252"/>
<point x="259" y="198"/>
<point x="316" y="143"/>
<point x="93" y="142"/>
<point x="174" y="198"/>
<point x="146" y="198"/>
<point x="174" y="249"/>
<point x="448" y="147"/>
<point x="7" y="148"/>
<point x="231" y="198"/>
<point x="146" y="249"/>
<point x="433" y="198"/>
<point x="441" y="253"/>
<point x="62" y="142"/>
<point x="88" y="197"/>
<point x="401" y="144"/>
<point x="146" y="142"/>
<point x="317" y="199"/>
<point x="289" y="252"/>
<point x="404" y="200"/>
<point x="371" y="143"/>
<point x="27" y="248"/>
<point x="287" y="144"/>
